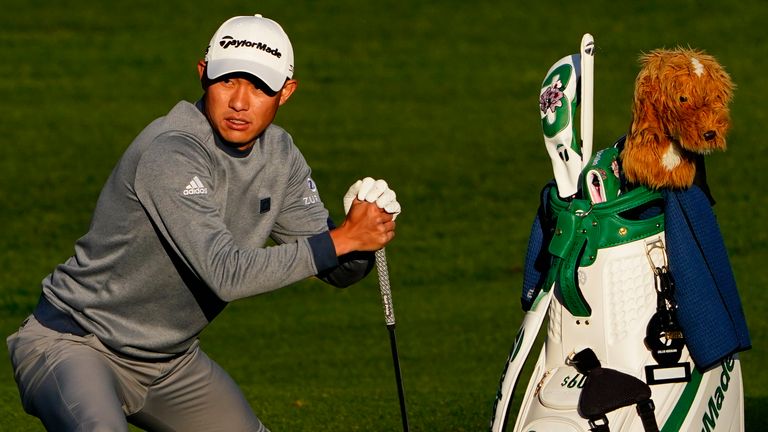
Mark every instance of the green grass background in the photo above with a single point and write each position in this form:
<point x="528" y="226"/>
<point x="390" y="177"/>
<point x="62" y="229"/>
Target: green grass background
<point x="440" y="98"/>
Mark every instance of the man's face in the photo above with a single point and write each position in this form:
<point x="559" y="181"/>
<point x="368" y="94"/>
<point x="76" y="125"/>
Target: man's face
<point x="240" y="111"/>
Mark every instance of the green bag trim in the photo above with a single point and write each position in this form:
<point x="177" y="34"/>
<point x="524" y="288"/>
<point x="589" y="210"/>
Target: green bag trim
<point x="581" y="229"/>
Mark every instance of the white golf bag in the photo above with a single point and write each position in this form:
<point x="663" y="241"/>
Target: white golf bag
<point x="614" y="358"/>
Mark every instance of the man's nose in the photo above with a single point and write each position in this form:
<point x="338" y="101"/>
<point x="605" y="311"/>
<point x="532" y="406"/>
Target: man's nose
<point x="238" y="100"/>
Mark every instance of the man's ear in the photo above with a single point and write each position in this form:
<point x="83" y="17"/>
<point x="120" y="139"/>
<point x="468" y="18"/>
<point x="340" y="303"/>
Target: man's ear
<point x="201" y="68"/>
<point x="288" y="88"/>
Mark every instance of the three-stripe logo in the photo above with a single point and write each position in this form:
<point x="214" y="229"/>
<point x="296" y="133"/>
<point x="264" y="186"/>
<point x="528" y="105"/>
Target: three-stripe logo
<point x="195" y="187"/>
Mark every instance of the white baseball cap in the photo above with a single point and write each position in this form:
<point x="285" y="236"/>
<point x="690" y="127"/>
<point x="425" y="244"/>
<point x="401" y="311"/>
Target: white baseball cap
<point x="254" y="45"/>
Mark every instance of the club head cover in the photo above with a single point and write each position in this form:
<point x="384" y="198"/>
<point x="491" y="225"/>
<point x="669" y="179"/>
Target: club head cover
<point x="558" y="100"/>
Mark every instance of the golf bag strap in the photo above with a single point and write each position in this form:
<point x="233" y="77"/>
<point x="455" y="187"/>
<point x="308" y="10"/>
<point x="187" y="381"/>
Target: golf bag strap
<point x="564" y="271"/>
<point x="602" y="426"/>
<point x="606" y="390"/>
<point x="645" y="410"/>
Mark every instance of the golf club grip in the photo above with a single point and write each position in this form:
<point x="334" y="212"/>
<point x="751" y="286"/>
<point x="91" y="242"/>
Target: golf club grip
<point x="386" y="292"/>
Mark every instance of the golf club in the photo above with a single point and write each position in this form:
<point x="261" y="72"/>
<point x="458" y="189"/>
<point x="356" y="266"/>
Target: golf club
<point x="389" y="317"/>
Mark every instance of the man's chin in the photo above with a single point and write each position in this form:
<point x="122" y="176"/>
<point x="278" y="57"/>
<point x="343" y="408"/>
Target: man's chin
<point x="238" y="140"/>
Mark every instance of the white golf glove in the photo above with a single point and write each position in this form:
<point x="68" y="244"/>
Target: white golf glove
<point x="373" y="191"/>
<point x="351" y="194"/>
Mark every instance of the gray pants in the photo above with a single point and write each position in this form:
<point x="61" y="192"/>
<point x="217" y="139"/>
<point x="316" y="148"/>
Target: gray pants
<point x="75" y="383"/>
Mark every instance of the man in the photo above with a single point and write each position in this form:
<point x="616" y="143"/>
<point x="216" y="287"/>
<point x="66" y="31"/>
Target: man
<point x="179" y="230"/>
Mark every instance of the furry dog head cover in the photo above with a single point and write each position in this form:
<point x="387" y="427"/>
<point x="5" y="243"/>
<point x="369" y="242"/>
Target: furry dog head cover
<point x="679" y="113"/>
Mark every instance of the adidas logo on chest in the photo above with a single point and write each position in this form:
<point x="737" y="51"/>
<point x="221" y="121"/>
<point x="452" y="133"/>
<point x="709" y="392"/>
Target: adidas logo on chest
<point x="195" y="187"/>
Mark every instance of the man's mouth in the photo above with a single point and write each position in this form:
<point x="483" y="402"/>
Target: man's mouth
<point x="237" y="124"/>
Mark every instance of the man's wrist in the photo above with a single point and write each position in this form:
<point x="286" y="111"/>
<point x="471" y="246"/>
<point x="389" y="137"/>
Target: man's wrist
<point x="342" y="243"/>
<point x="323" y="251"/>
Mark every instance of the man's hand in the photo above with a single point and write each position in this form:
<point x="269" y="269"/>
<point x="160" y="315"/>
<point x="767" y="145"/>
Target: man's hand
<point x="366" y="228"/>
<point x="373" y="191"/>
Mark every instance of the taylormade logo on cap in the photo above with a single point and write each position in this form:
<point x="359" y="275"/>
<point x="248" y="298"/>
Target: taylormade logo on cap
<point x="254" y="45"/>
<point x="229" y="41"/>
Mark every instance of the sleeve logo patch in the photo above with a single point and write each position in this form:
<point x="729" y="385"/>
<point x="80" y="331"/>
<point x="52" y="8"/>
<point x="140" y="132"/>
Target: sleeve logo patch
<point x="195" y="187"/>
<point x="313" y="197"/>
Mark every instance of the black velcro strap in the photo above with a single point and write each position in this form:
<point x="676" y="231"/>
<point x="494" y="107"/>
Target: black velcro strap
<point x="599" y="424"/>
<point x="645" y="411"/>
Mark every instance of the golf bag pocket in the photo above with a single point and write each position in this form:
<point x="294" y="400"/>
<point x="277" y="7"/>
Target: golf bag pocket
<point x="561" y="388"/>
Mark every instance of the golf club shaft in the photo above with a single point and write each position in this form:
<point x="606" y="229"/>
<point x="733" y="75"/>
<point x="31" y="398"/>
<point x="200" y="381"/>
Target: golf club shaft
<point x="587" y="96"/>
<point x="389" y="316"/>
<point x="398" y="376"/>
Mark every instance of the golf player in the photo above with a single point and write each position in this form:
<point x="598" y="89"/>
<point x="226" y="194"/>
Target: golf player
<point x="179" y="230"/>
